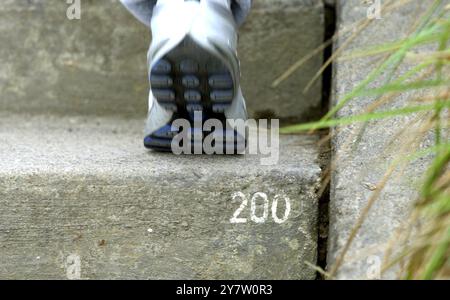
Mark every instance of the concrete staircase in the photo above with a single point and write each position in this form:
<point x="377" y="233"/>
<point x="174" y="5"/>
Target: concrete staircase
<point x="81" y="198"/>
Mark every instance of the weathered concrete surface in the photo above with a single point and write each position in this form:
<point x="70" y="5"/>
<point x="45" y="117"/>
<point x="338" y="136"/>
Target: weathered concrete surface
<point x="76" y="184"/>
<point x="97" y="65"/>
<point x="48" y="63"/>
<point x="362" y="164"/>
<point x="84" y="187"/>
<point x="276" y="35"/>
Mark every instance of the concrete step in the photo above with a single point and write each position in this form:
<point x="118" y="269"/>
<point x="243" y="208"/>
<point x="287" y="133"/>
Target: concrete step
<point x="81" y="198"/>
<point x="361" y="166"/>
<point x="97" y="65"/>
<point x="277" y="34"/>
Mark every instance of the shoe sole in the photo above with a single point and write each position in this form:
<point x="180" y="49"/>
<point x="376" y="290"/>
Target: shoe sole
<point x="189" y="79"/>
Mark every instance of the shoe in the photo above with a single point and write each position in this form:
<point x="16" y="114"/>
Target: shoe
<point x="194" y="70"/>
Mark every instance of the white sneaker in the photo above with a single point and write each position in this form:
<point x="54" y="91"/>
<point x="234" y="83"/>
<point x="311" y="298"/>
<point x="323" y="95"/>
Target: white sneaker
<point x="193" y="68"/>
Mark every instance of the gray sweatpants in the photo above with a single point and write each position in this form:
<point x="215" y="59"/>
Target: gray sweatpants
<point x="143" y="9"/>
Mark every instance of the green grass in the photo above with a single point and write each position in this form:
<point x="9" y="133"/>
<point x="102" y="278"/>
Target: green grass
<point x="427" y="252"/>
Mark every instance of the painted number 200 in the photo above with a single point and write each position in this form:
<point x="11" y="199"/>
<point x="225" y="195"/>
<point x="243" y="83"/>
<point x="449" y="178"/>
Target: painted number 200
<point x="260" y="218"/>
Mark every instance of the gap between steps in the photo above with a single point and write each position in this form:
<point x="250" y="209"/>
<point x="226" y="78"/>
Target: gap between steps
<point x="325" y="150"/>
